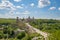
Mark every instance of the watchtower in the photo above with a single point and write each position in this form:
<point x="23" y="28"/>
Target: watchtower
<point x="17" y="20"/>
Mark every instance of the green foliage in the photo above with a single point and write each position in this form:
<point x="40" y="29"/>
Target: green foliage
<point x="50" y="26"/>
<point x="55" y="35"/>
<point x="21" y="35"/>
<point x="9" y="27"/>
<point x="30" y="36"/>
<point x="33" y="35"/>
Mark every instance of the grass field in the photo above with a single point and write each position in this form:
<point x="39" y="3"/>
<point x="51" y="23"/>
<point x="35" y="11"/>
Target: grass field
<point x="7" y="20"/>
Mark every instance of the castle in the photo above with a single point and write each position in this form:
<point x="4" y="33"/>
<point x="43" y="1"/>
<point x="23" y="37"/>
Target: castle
<point x="25" y="20"/>
<point x="21" y="23"/>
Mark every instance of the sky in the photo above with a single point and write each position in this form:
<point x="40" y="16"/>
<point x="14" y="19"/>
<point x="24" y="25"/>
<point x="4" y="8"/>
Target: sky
<point x="45" y="9"/>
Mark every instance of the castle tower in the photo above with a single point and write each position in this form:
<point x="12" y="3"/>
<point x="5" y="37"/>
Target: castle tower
<point x="17" y="20"/>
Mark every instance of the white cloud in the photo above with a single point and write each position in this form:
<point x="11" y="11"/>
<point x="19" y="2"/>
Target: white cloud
<point x="19" y="7"/>
<point x="6" y="4"/>
<point x="6" y="15"/>
<point x="59" y="8"/>
<point x="17" y="13"/>
<point x="43" y="3"/>
<point x="2" y="5"/>
<point x="9" y="6"/>
<point x="13" y="15"/>
<point x="26" y="12"/>
<point x="52" y="8"/>
<point x="32" y="4"/>
<point x="17" y="0"/>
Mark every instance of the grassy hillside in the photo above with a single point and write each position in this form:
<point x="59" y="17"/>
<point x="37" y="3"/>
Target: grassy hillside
<point x="50" y="26"/>
<point x="10" y="31"/>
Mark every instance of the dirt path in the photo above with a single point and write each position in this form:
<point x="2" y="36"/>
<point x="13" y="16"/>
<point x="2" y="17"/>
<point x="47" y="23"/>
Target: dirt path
<point x="44" y="34"/>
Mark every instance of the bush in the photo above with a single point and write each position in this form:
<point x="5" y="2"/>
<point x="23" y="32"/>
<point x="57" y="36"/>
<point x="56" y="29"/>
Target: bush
<point x="1" y="36"/>
<point x="21" y="35"/>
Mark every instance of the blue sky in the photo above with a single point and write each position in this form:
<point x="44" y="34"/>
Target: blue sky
<point x="45" y="9"/>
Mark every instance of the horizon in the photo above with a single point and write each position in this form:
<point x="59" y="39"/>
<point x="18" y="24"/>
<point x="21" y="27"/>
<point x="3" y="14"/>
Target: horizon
<point x="39" y="9"/>
<point x="30" y="17"/>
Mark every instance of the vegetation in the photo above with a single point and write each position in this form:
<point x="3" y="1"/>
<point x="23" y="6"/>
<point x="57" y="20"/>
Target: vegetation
<point x="50" y="26"/>
<point x="9" y="31"/>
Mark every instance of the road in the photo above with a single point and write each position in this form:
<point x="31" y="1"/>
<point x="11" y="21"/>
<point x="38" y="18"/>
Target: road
<point x="44" y="34"/>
